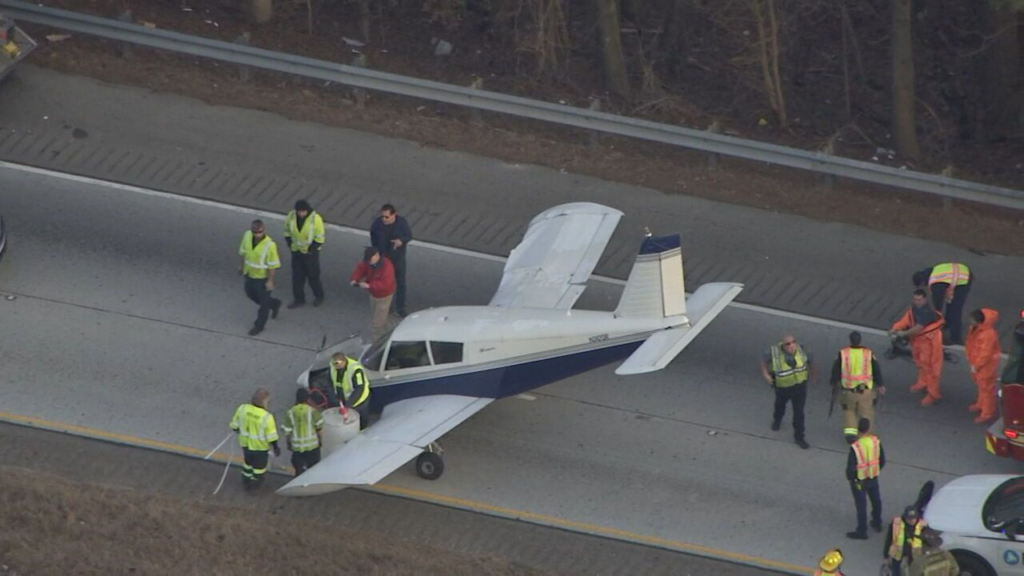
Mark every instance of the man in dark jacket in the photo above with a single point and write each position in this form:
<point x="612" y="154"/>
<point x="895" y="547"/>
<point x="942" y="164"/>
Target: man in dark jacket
<point x="390" y="233"/>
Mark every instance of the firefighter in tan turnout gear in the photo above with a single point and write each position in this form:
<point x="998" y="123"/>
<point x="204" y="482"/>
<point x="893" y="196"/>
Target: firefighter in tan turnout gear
<point x="932" y="560"/>
<point x="857" y="378"/>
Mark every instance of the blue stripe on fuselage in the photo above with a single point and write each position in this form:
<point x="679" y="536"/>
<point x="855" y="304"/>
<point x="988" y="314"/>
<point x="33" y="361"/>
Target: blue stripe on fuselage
<point x="506" y="380"/>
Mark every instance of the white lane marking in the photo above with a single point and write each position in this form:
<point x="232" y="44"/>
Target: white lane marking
<point x="527" y="397"/>
<point x="419" y="243"/>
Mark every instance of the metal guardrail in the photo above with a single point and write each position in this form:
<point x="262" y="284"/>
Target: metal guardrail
<point x="514" y="105"/>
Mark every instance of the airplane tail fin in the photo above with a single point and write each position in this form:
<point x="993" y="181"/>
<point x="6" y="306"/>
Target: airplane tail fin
<point x="655" y="288"/>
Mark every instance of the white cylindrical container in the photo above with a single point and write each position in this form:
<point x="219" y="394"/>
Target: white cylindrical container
<point x="336" y="432"/>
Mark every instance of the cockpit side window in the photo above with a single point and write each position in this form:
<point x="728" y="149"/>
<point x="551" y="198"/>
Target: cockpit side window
<point x="446" y="352"/>
<point x="407" y="355"/>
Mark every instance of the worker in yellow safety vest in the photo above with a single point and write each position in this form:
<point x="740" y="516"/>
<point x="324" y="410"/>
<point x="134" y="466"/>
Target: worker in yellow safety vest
<point x="304" y="232"/>
<point x="351" y="386"/>
<point x="904" y="541"/>
<point x="257" y="434"/>
<point x="857" y="378"/>
<point x="302" y="425"/>
<point x="787" y="368"/>
<point x="830" y="563"/>
<point x="949" y="285"/>
<point x="259" y="265"/>
<point x="863" y="465"/>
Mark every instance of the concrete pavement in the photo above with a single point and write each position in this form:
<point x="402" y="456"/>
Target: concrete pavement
<point x="129" y="318"/>
<point x="251" y="158"/>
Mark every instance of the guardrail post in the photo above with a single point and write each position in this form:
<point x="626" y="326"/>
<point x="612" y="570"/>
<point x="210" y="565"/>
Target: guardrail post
<point x="476" y="117"/>
<point x="124" y="48"/>
<point x="595" y="136"/>
<point x="360" y="94"/>
<point x="245" y="39"/>
<point x="715" y="128"/>
<point x="828" y="181"/>
<point x="947" y="201"/>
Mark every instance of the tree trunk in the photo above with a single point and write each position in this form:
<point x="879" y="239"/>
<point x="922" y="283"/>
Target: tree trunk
<point x="904" y="124"/>
<point x="1002" y="89"/>
<point x="612" y="60"/>
<point x="768" y="49"/>
<point x="673" y="40"/>
<point x="261" y="10"/>
<point x="631" y="11"/>
<point x="364" y="19"/>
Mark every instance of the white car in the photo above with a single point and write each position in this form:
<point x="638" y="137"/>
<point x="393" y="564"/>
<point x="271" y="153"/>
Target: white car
<point x="981" y="518"/>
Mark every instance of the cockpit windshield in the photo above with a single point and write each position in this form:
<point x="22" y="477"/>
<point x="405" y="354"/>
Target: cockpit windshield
<point x="371" y="360"/>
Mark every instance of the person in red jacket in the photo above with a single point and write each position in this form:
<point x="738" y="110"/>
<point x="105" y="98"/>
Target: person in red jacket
<point x="983" y="353"/>
<point x="922" y="324"/>
<point x="376" y="274"/>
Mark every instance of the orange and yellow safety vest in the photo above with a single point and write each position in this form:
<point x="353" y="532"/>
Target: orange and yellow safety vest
<point x="868" y="450"/>
<point x="857" y="370"/>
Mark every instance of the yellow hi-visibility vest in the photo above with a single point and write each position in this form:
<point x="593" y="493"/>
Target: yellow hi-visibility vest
<point x="259" y="258"/>
<point x="786" y="375"/>
<point x="899" y="535"/>
<point x="868" y="450"/>
<point x="950" y="273"/>
<point x="301" y="424"/>
<point x="353" y="371"/>
<point x="256" y="427"/>
<point x="857" y="371"/>
<point x="312" y="231"/>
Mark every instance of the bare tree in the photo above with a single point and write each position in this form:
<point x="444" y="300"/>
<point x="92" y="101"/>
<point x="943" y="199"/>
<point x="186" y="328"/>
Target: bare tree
<point x="768" y="48"/>
<point x="612" y="60"/>
<point x="261" y="10"/>
<point x="904" y="123"/>
<point x="674" y="39"/>
<point x="1003" y="91"/>
<point x="364" y="19"/>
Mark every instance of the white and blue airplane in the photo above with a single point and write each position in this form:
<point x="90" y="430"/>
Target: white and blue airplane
<point x="440" y="366"/>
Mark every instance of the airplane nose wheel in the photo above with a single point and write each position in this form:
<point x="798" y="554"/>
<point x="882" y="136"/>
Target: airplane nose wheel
<point x="430" y="464"/>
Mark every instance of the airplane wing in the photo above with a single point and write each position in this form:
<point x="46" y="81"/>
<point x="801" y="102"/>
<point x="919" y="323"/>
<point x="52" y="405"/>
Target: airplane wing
<point x="551" y="266"/>
<point x="403" y="432"/>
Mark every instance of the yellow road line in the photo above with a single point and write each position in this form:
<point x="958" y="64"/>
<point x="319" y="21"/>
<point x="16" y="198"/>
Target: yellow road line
<point x="113" y="436"/>
<point x="427" y="496"/>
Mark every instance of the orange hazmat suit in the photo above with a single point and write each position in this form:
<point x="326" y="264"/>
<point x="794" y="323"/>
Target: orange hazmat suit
<point x="983" y="353"/>
<point x="928" y="354"/>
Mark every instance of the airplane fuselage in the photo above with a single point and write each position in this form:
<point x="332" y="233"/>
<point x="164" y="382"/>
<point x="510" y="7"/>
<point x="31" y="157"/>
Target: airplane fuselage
<point x="504" y="351"/>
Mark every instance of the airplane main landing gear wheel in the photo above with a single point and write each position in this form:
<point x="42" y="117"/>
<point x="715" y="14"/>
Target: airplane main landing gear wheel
<point x="430" y="464"/>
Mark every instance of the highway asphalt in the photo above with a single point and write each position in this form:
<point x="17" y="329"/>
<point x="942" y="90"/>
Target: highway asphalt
<point x="128" y="317"/>
<point x="251" y="158"/>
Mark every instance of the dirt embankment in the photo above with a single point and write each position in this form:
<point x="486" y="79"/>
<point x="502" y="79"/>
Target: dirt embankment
<point x="672" y="170"/>
<point x="53" y="526"/>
